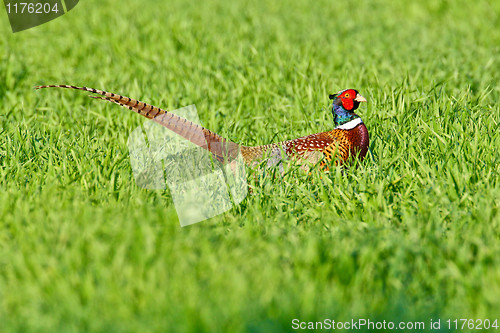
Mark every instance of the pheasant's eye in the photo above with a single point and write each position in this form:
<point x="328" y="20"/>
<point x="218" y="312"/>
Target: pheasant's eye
<point x="347" y="95"/>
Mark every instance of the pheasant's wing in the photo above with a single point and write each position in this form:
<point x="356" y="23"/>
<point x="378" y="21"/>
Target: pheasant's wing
<point x="320" y="147"/>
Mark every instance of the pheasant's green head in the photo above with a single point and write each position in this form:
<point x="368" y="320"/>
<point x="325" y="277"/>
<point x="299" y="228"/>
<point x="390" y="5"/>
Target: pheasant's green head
<point x="344" y="104"/>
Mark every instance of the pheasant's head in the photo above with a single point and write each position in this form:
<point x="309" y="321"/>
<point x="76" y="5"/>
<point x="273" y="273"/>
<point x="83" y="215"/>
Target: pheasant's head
<point x="344" y="104"/>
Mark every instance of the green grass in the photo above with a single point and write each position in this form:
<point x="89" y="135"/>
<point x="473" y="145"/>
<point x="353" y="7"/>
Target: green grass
<point x="412" y="234"/>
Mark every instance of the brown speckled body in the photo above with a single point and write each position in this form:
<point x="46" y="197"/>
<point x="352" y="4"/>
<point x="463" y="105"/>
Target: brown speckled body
<point x="337" y="145"/>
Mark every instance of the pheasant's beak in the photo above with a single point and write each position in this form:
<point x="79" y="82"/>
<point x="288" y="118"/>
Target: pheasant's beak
<point x="360" y="98"/>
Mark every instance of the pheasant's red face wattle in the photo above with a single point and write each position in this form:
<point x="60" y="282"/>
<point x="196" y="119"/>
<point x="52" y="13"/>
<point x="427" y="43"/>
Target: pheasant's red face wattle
<point x="348" y="103"/>
<point x="347" y="97"/>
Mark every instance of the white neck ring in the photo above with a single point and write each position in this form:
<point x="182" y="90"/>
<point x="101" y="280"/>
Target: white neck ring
<point x="350" y="125"/>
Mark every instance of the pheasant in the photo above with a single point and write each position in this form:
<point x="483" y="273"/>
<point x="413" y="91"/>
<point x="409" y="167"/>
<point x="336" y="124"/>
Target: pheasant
<point x="347" y="140"/>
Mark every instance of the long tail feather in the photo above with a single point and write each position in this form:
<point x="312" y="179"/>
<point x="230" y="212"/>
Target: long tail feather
<point x="220" y="147"/>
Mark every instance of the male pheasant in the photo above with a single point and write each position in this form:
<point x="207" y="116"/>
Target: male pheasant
<point x="348" y="139"/>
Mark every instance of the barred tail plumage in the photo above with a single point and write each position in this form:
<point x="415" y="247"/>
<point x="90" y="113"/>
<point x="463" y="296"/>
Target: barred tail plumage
<point x="220" y="147"/>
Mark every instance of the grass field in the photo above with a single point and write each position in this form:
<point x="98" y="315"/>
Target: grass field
<point x="412" y="234"/>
